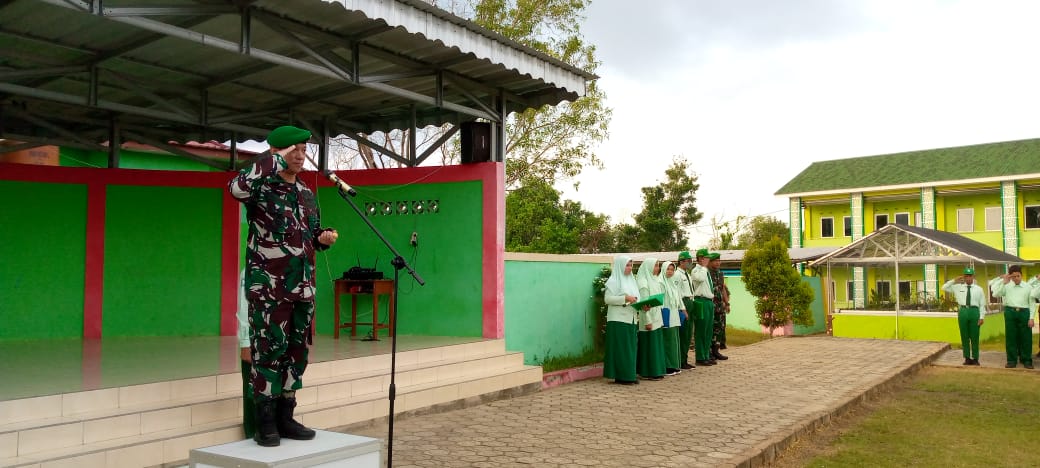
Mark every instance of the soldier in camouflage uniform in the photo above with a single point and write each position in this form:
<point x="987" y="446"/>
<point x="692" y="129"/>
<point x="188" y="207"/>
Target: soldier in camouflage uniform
<point x="721" y="301"/>
<point x="284" y="233"/>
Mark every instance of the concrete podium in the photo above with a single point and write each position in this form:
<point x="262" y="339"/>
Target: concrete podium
<point x="327" y="450"/>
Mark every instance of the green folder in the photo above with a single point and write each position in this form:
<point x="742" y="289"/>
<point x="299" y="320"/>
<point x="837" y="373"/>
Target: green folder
<point x="652" y="301"/>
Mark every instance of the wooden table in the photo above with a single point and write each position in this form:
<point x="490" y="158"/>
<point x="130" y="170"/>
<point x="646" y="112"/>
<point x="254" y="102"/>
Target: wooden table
<point x="355" y="288"/>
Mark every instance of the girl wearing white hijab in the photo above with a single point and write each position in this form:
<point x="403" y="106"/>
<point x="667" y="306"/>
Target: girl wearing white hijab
<point x="671" y="312"/>
<point x="619" y="363"/>
<point x="650" y="349"/>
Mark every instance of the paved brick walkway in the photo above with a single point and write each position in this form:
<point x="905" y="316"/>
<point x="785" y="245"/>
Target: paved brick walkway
<point x="745" y="408"/>
<point x="994" y="359"/>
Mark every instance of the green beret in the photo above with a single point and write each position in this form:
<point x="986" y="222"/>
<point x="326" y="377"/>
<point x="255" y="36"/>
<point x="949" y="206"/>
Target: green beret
<point x="286" y="136"/>
<point x="714" y="256"/>
<point x="702" y="253"/>
<point x="684" y="255"/>
<point x="969" y="271"/>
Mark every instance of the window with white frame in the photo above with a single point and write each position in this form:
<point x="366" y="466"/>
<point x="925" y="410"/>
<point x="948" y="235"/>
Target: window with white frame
<point x="826" y="227"/>
<point x="965" y="219"/>
<point x="903" y="218"/>
<point x="850" y="291"/>
<point x="1032" y="216"/>
<point x="904" y="290"/>
<point x="880" y="221"/>
<point x="917" y="219"/>
<point x="883" y="290"/>
<point x="993" y="218"/>
<point x="848" y="225"/>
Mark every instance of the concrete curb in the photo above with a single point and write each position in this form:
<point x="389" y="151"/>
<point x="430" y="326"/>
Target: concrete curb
<point x="574" y="374"/>
<point x="763" y="454"/>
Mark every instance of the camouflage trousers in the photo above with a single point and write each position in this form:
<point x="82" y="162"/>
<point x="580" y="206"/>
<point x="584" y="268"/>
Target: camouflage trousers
<point x="718" y="337"/>
<point x="278" y="333"/>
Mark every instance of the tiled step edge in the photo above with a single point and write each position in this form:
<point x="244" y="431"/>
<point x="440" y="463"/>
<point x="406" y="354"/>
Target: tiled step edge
<point x="174" y="444"/>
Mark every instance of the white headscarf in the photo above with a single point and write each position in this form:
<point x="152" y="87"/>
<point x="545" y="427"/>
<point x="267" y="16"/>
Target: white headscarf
<point x="619" y="282"/>
<point x="645" y="276"/>
<point x="669" y="286"/>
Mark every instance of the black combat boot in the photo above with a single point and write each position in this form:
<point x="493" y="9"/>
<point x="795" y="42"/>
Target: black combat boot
<point x="266" y="427"/>
<point x="716" y="354"/>
<point x="287" y="426"/>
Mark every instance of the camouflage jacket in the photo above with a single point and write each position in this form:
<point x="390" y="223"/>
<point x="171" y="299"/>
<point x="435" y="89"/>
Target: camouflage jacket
<point x="284" y="225"/>
<point x="721" y="292"/>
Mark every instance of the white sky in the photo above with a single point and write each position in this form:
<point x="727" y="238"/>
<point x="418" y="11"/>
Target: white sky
<point x="752" y="91"/>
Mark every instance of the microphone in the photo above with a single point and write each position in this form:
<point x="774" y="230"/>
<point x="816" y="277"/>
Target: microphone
<point x="343" y="186"/>
<point x="339" y="183"/>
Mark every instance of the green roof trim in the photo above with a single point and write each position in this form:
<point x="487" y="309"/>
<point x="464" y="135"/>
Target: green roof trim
<point x="1007" y="158"/>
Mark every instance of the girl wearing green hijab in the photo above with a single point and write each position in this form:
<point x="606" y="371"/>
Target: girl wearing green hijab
<point x="621" y="289"/>
<point x="650" y="347"/>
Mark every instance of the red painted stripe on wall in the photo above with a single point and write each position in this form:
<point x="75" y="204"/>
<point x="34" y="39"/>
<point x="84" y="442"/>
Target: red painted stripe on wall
<point x="494" y="217"/>
<point x="94" y="270"/>
<point x="229" y="266"/>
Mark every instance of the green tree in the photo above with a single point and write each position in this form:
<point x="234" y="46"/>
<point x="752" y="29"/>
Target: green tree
<point x="538" y="221"/>
<point x="668" y="209"/>
<point x="552" y="142"/>
<point x="724" y="233"/>
<point x="534" y="221"/>
<point x="626" y="237"/>
<point x="782" y="296"/>
<point x="762" y="229"/>
<point x="595" y="234"/>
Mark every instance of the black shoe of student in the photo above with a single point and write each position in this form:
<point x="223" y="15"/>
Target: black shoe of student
<point x="721" y="357"/>
<point x="655" y="378"/>
<point x="687" y="367"/>
<point x="722" y="346"/>
<point x="967" y="362"/>
<point x="1027" y="366"/>
<point x="626" y="382"/>
<point x="975" y="362"/>
<point x="712" y="362"/>
<point x="1010" y="365"/>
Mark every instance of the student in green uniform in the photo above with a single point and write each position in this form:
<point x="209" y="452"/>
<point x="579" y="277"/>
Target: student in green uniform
<point x="683" y="287"/>
<point x="970" y="315"/>
<point x="673" y="314"/>
<point x="704" y="320"/>
<point x="620" y="290"/>
<point x="1018" y="325"/>
<point x="650" y="347"/>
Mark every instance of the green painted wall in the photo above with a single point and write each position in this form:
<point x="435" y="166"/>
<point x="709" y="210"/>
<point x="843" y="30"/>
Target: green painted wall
<point x="43" y="252"/>
<point x="819" y="322"/>
<point x="815" y="215"/>
<point x="549" y="308"/>
<point x="890" y="208"/>
<point x="742" y="307"/>
<point x="449" y="257"/>
<point x="72" y="157"/>
<point x="1028" y="239"/>
<point x="911" y="328"/>
<point x="162" y="261"/>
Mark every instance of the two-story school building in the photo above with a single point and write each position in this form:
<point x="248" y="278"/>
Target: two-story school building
<point x="988" y="192"/>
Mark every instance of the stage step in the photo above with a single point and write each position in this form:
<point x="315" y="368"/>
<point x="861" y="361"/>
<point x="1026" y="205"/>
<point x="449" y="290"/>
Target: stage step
<point x="158" y="423"/>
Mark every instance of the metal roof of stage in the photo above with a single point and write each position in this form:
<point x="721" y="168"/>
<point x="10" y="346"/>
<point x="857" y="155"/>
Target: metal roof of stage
<point x="72" y="72"/>
<point x="917" y="246"/>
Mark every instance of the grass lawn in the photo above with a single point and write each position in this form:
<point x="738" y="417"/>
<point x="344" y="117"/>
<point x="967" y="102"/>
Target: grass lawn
<point x="737" y="337"/>
<point x="943" y="417"/>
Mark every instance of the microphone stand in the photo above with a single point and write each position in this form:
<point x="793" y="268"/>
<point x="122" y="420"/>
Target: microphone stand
<point x="398" y="263"/>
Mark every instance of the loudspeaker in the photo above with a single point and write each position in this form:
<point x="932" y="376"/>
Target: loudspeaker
<point x="476" y="142"/>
